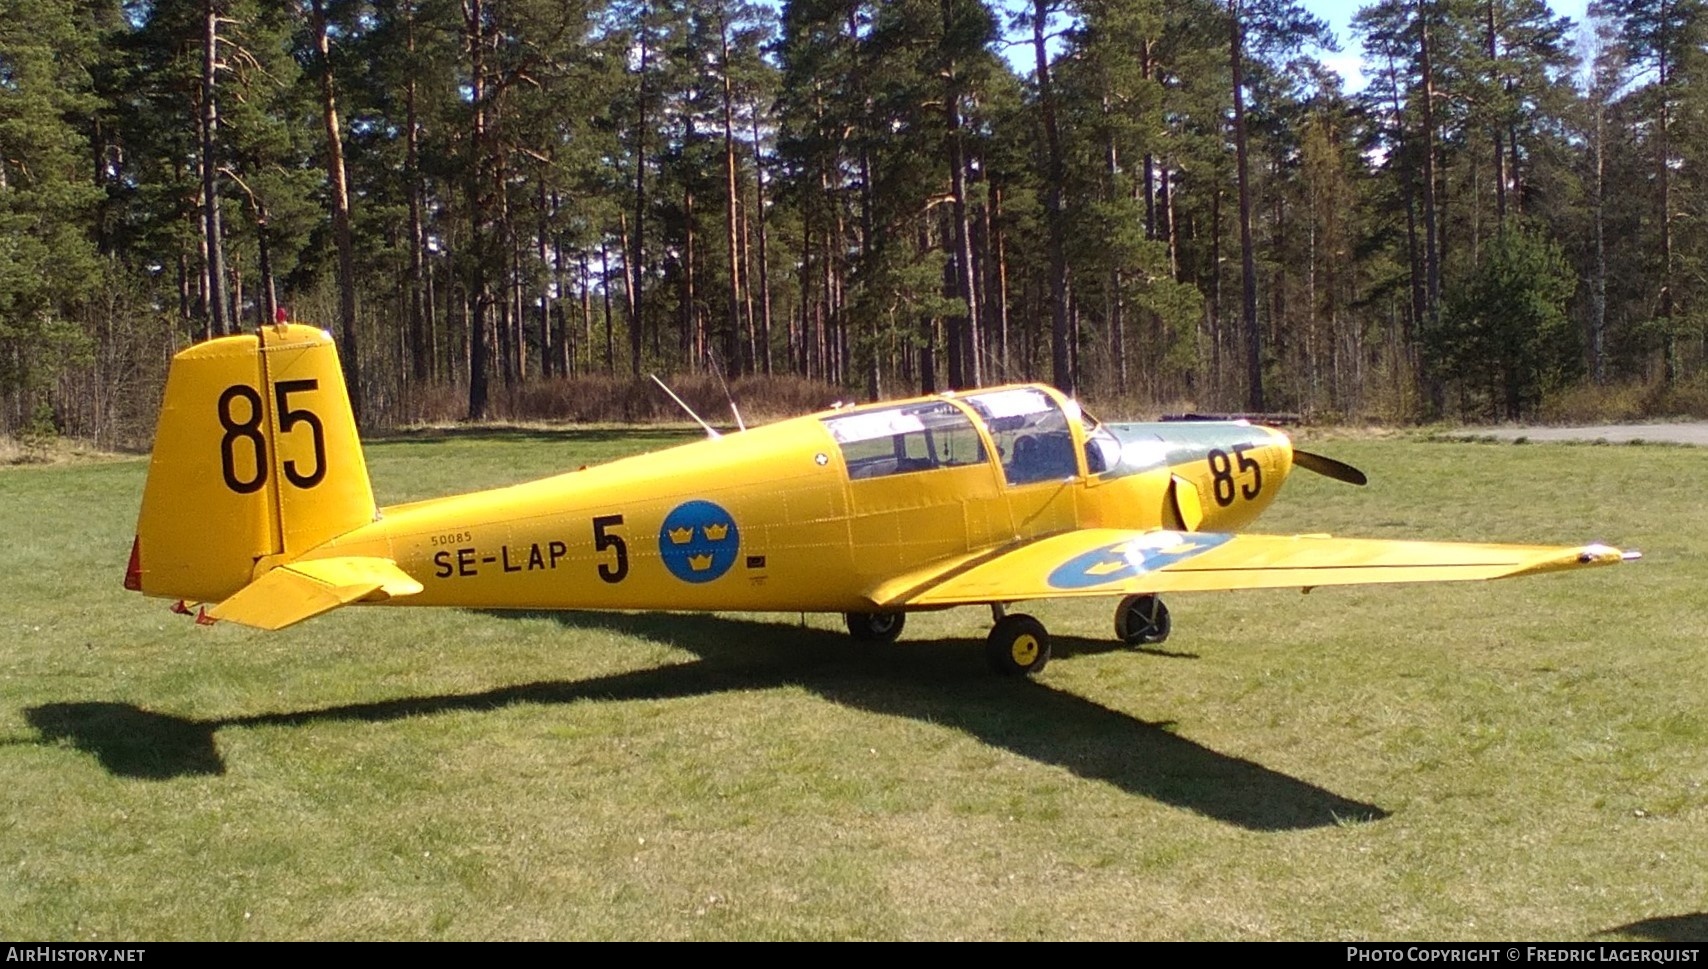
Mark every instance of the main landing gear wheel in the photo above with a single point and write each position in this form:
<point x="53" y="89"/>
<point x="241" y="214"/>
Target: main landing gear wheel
<point x="875" y="627"/>
<point x="1018" y="646"/>
<point x="1142" y="620"/>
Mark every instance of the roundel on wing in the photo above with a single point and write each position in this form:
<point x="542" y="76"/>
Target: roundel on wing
<point x="698" y="541"/>
<point x="1113" y="563"/>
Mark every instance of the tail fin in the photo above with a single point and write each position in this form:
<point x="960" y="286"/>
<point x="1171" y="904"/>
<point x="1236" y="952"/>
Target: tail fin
<point x="256" y="461"/>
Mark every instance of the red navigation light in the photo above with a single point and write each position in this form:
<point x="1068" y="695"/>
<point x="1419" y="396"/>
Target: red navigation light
<point x="133" y="571"/>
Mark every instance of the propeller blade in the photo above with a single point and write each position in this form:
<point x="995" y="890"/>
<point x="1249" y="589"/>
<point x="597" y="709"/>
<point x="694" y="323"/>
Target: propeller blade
<point x="1329" y="467"/>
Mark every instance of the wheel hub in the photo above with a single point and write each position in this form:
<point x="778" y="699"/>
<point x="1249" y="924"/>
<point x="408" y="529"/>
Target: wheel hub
<point x="1024" y="650"/>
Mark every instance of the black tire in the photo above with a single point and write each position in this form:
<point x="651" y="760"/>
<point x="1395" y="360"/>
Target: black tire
<point x="1142" y="620"/>
<point x="1018" y="646"/>
<point x="875" y="627"/>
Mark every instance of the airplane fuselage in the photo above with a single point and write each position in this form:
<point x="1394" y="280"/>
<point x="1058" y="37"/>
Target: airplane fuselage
<point x="258" y="502"/>
<point x="781" y="517"/>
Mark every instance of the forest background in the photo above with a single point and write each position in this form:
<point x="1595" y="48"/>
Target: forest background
<point x="518" y="209"/>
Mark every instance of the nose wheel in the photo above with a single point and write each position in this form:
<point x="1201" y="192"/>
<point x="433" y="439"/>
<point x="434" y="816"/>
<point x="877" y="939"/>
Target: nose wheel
<point x="1142" y="620"/>
<point x="1018" y="645"/>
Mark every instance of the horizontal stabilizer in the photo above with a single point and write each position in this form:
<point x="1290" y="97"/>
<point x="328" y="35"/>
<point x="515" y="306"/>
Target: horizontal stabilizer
<point x="1100" y="562"/>
<point x="291" y="593"/>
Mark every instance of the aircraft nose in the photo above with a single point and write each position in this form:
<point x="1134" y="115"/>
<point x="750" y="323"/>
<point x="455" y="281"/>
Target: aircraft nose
<point x="1253" y="463"/>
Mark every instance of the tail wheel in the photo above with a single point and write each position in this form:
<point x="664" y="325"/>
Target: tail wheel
<point x="1142" y="620"/>
<point x="1018" y="646"/>
<point x="875" y="627"/>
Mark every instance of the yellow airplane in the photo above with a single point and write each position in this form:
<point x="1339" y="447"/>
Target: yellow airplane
<point x="258" y="501"/>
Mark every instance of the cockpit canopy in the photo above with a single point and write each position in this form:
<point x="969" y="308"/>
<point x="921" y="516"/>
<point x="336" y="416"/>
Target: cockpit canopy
<point x="1030" y="428"/>
<point x="905" y="439"/>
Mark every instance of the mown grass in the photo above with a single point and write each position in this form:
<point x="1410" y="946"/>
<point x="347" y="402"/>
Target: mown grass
<point x="1518" y="759"/>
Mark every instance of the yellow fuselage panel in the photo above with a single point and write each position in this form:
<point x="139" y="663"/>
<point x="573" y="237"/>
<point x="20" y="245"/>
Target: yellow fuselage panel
<point x="757" y="520"/>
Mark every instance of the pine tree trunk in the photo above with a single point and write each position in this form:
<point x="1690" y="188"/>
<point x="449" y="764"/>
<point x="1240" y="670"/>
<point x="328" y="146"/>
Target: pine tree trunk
<point x="548" y="282"/>
<point x="636" y="244"/>
<point x="1000" y="252"/>
<point x="605" y="294"/>
<point x="420" y="354"/>
<point x="586" y="316"/>
<point x="732" y="216"/>
<point x="764" y="250"/>
<point x="213" y="244"/>
<point x="338" y="189"/>
<point x="1598" y="283"/>
<point x="1217" y="378"/>
<point x="1061" y="366"/>
<point x="1114" y="307"/>
<point x="798" y="340"/>
<point x="1434" y="387"/>
<point x="474" y="15"/>
<point x="963" y="328"/>
<point x="1253" y="336"/>
<point x="1165" y="207"/>
<point x="1669" y="352"/>
<point x="693" y="339"/>
<point x="508" y="352"/>
<point x="1492" y="42"/>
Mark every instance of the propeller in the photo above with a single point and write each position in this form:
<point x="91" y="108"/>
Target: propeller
<point x="1329" y="467"/>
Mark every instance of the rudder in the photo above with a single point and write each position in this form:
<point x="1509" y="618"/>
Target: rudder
<point x="256" y="461"/>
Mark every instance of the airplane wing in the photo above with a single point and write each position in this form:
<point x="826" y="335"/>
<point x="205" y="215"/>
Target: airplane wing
<point x="301" y="590"/>
<point x="1109" y="561"/>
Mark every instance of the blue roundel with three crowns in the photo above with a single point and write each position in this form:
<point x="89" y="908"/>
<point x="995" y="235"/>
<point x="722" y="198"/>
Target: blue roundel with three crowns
<point x="698" y="541"/>
<point x="1128" y="559"/>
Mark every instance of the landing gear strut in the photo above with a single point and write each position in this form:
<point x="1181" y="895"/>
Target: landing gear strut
<point x="1142" y="620"/>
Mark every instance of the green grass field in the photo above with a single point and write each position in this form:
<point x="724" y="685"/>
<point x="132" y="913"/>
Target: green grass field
<point x="1509" y="760"/>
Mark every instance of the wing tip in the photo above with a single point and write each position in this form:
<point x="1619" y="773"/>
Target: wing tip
<point x="1599" y="554"/>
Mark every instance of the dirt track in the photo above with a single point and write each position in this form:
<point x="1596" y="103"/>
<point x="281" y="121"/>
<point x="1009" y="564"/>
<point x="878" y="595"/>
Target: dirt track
<point x="1682" y="433"/>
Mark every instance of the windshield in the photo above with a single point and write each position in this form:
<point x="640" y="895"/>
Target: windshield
<point x="1102" y="448"/>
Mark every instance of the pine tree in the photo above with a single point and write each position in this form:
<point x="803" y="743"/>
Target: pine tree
<point x="1505" y="334"/>
<point x="48" y="200"/>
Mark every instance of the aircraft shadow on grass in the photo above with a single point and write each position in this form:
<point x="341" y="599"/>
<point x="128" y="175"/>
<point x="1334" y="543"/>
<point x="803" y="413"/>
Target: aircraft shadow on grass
<point x="1692" y="927"/>
<point x="943" y="683"/>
